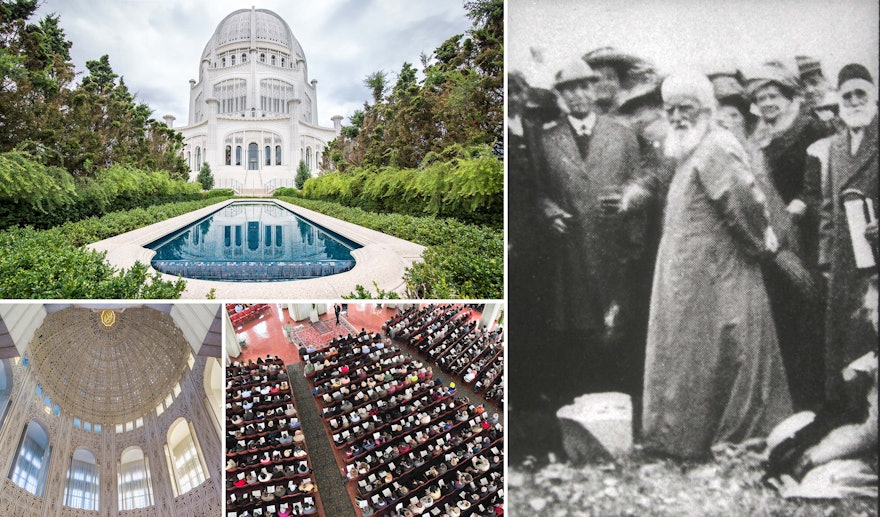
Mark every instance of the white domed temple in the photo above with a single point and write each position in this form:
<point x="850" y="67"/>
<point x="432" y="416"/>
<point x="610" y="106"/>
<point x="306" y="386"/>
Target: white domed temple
<point x="253" y="112"/>
<point x="110" y="410"/>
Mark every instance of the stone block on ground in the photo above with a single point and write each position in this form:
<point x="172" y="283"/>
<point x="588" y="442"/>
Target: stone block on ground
<point x="597" y="427"/>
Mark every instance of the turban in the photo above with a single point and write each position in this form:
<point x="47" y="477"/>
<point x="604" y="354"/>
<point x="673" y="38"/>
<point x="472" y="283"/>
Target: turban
<point x="689" y="84"/>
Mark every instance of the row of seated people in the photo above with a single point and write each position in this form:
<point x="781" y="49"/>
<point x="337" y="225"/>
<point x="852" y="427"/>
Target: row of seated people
<point x="404" y="313"/>
<point x="268" y="473"/>
<point x="440" y="328"/>
<point x="414" y="320"/>
<point x="459" y="348"/>
<point x="391" y="417"/>
<point x="340" y="345"/>
<point x="430" y="324"/>
<point x="451" y="472"/>
<point x="491" y="381"/>
<point x="240" y="314"/>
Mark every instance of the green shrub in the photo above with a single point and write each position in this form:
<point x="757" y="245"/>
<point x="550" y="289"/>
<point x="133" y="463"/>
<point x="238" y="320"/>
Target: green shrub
<point x="43" y="197"/>
<point x="461" y="260"/>
<point x="54" y="263"/>
<point x="219" y="192"/>
<point x="286" y="192"/>
<point x="43" y="264"/>
<point x="205" y="178"/>
<point x="464" y="183"/>
<point x="302" y="174"/>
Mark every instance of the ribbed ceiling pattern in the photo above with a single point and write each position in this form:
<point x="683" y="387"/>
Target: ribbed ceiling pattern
<point x="108" y="375"/>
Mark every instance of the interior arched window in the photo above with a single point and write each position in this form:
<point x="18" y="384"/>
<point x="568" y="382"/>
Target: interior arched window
<point x="198" y="158"/>
<point x="273" y="60"/>
<point x="135" y="484"/>
<point x="267" y="153"/>
<point x="228" y="155"/>
<point x="185" y="459"/>
<point x="277" y="155"/>
<point x="238" y="155"/>
<point x="5" y="388"/>
<point x="32" y="459"/>
<point x="83" y="477"/>
<point x="309" y="158"/>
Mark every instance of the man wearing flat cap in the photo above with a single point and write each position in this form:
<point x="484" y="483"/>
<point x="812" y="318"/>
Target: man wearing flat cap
<point x="713" y="371"/>
<point x="853" y="167"/>
<point x="812" y="78"/>
<point x="585" y="156"/>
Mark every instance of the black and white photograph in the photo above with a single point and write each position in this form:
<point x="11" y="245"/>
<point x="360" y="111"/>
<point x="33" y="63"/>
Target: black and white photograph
<point x="692" y="245"/>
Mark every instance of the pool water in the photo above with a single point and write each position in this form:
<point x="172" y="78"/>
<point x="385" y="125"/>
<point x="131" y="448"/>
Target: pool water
<point x="253" y="242"/>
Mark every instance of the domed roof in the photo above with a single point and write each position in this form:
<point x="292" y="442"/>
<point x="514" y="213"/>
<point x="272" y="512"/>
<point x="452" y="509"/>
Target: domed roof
<point x="108" y="366"/>
<point x="253" y="25"/>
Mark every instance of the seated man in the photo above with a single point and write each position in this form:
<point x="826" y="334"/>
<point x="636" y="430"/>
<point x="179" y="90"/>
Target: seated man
<point x="808" y="460"/>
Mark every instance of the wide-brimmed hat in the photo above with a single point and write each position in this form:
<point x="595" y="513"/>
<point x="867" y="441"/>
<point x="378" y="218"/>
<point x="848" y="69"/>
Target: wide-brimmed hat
<point x="772" y="73"/>
<point x="729" y="91"/>
<point x="642" y="94"/>
<point x="610" y="56"/>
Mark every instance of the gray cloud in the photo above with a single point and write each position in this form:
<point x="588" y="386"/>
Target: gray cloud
<point x="156" y="45"/>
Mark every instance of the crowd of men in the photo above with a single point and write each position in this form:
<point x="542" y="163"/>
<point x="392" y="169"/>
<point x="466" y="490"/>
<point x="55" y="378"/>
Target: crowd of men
<point x="701" y="240"/>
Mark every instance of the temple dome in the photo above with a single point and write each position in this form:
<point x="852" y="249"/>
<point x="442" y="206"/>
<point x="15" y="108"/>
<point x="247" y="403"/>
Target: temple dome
<point x="250" y="28"/>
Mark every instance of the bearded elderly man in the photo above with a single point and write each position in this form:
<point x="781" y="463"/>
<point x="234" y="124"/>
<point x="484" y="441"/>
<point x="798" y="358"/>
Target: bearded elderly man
<point x="713" y="369"/>
<point x="852" y="165"/>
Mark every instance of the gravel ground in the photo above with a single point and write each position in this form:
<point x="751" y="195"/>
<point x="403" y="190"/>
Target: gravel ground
<point x="640" y="485"/>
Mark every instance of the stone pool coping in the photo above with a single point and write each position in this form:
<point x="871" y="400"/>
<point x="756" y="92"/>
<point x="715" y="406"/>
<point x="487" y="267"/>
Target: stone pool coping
<point x="382" y="259"/>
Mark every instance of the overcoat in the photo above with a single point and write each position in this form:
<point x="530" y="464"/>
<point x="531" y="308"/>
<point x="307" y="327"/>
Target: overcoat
<point x="586" y="269"/>
<point x="847" y="335"/>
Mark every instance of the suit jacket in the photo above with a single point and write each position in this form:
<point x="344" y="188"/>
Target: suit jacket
<point x="589" y="266"/>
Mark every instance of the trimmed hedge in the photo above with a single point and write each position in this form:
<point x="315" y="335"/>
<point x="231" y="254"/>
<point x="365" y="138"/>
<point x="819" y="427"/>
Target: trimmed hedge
<point x="462" y="260"/>
<point x="43" y="197"/>
<point x="53" y="263"/>
<point x="464" y="183"/>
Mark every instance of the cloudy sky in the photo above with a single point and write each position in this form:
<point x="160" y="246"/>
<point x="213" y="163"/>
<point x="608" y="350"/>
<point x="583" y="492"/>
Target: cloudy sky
<point x="677" y="33"/>
<point x="156" y="44"/>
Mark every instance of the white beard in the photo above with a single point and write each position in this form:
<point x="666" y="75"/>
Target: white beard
<point x="681" y="142"/>
<point x="860" y="117"/>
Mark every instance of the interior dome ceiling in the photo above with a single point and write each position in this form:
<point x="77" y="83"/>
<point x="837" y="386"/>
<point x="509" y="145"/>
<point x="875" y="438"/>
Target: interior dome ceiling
<point x="108" y="374"/>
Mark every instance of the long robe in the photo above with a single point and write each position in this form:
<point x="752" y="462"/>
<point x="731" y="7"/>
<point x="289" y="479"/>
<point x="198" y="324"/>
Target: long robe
<point x="713" y="369"/>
